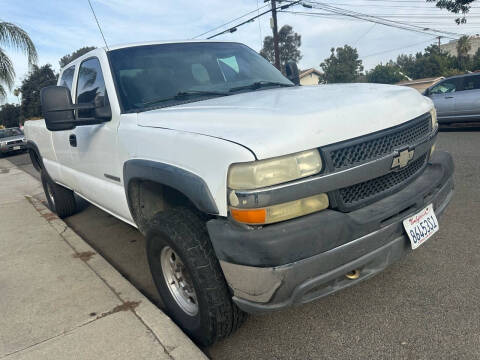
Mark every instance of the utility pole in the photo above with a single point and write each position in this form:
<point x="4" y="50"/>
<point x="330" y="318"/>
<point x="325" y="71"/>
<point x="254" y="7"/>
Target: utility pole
<point x="439" y="37"/>
<point x="276" y="51"/>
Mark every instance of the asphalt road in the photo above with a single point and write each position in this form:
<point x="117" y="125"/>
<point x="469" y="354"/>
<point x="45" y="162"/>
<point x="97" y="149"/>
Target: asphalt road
<point x="423" y="307"/>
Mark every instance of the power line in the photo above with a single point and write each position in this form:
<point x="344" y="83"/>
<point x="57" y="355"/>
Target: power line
<point x="379" y="20"/>
<point x="234" y="28"/>
<point x="396" y="49"/>
<point x="363" y="35"/>
<point x="231" y="21"/>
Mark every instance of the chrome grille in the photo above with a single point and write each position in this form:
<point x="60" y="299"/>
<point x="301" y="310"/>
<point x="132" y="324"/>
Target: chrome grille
<point x="373" y="189"/>
<point x="342" y="156"/>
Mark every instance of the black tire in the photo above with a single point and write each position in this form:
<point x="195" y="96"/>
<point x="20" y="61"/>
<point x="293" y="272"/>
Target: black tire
<point x="182" y="230"/>
<point x="60" y="200"/>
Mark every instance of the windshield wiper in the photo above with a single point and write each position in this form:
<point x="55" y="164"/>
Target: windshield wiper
<point x="259" y="84"/>
<point x="185" y="94"/>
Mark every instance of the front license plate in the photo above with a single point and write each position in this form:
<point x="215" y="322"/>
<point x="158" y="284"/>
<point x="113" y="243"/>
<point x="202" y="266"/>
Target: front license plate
<point x="421" y="226"/>
<point x="16" y="148"/>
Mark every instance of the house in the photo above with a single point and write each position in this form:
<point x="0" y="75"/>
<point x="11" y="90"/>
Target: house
<point x="310" y="77"/>
<point x="421" y="84"/>
<point x="451" y="46"/>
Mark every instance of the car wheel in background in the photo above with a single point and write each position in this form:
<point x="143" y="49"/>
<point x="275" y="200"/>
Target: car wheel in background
<point x="60" y="200"/>
<point x="188" y="276"/>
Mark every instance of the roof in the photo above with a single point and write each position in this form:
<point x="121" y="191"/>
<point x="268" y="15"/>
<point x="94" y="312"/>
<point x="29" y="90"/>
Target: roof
<point x="310" y="71"/>
<point x="160" y="42"/>
<point x="420" y="81"/>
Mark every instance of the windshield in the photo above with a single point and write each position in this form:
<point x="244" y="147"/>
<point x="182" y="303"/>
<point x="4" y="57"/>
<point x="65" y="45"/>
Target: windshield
<point x="169" y="74"/>
<point x="10" y="132"/>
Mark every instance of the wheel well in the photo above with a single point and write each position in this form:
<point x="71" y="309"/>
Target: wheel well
<point x="34" y="157"/>
<point x="147" y="198"/>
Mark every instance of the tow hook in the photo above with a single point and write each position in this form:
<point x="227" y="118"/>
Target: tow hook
<point x="353" y="275"/>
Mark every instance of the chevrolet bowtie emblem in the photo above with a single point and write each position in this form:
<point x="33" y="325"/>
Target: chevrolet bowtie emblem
<point x="402" y="159"/>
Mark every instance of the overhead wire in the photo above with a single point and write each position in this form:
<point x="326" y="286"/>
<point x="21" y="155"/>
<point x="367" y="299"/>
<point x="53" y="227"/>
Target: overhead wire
<point x="231" y="21"/>
<point x="376" y="19"/>
<point x="234" y="28"/>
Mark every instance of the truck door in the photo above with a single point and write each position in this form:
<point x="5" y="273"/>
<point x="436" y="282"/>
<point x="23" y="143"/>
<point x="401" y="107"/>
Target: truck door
<point x="443" y="95"/>
<point x="94" y="149"/>
<point x="467" y="102"/>
<point x="61" y="170"/>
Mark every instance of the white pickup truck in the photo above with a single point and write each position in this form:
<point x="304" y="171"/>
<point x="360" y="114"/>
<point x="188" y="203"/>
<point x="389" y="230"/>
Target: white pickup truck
<point x="253" y="193"/>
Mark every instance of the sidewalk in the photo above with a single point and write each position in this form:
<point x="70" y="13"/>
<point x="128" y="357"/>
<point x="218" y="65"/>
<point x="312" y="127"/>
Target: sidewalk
<point x="59" y="299"/>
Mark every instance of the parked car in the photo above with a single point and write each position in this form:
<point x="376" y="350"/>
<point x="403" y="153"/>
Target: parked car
<point x="457" y="98"/>
<point x="254" y="194"/>
<point x="11" y="139"/>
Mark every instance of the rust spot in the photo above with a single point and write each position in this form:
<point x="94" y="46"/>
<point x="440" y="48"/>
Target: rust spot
<point x="85" y="256"/>
<point x="126" y="306"/>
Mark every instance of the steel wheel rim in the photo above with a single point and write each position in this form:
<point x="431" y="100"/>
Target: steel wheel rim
<point x="178" y="281"/>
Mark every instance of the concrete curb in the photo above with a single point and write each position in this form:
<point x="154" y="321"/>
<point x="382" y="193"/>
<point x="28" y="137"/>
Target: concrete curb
<point x="176" y="344"/>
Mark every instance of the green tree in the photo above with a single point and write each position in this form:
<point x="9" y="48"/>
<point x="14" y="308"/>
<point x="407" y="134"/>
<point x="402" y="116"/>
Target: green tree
<point x="432" y="62"/>
<point x="456" y="7"/>
<point x="76" y="54"/>
<point x="463" y="47"/>
<point x="343" y="66"/>
<point x="13" y="37"/>
<point x="36" y="79"/>
<point x="385" y="74"/>
<point x="475" y="64"/>
<point x="289" y="43"/>
<point x="10" y="115"/>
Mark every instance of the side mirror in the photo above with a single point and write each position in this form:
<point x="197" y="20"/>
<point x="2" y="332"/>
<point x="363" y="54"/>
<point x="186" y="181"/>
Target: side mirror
<point x="426" y="92"/>
<point x="57" y="108"/>
<point x="291" y="69"/>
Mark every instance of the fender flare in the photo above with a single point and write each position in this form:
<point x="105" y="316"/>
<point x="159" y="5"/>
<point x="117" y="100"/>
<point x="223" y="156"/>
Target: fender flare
<point x="189" y="184"/>
<point x="38" y="161"/>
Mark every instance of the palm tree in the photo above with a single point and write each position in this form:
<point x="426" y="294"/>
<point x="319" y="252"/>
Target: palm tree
<point x="13" y="37"/>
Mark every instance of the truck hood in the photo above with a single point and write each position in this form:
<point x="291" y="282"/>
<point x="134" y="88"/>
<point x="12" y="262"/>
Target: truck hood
<point x="281" y="121"/>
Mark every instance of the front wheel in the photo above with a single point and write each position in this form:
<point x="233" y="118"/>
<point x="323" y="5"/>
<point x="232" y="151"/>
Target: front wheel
<point x="188" y="277"/>
<point x="60" y="200"/>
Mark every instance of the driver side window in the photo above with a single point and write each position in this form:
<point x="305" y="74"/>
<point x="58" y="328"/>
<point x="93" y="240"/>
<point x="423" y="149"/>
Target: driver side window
<point x="90" y="86"/>
<point x="447" y="86"/>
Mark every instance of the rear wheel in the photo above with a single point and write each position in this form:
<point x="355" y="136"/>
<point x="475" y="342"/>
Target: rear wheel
<point x="60" y="199"/>
<point x="189" y="278"/>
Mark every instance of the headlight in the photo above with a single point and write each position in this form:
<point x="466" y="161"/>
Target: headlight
<point x="433" y="114"/>
<point x="262" y="173"/>
<point x="281" y="212"/>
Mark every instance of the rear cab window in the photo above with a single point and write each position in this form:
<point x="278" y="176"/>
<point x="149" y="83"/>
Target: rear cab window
<point x="67" y="78"/>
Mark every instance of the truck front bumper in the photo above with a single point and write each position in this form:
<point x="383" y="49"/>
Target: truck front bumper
<point x="301" y="260"/>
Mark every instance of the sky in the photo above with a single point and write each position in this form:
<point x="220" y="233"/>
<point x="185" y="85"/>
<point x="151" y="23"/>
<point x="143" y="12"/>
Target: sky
<point x="58" y="28"/>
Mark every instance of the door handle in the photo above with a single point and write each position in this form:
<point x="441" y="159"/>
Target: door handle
<point x="73" y="140"/>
